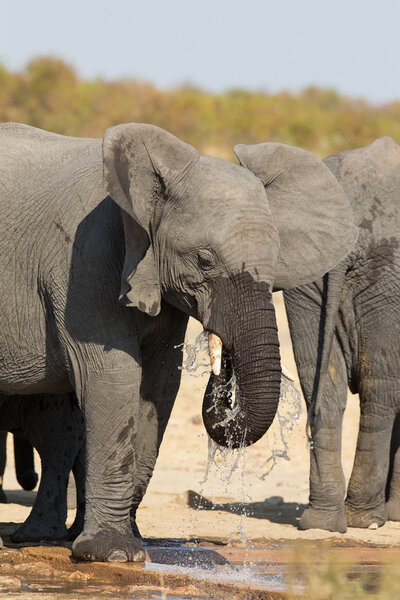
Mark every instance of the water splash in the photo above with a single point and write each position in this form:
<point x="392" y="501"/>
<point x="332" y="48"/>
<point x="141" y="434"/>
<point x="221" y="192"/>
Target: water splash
<point x="225" y="469"/>
<point x="287" y="415"/>
<point x="226" y="461"/>
<point x="196" y="355"/>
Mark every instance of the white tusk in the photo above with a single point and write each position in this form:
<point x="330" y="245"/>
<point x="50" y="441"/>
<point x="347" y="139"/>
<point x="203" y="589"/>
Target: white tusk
<point x="215" y="350"/>
<point x="286" y="373"/>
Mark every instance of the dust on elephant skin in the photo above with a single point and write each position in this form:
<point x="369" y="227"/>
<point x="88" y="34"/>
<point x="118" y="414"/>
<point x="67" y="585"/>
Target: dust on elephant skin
<point x="358" y="302"/>
<point x="108" y="246"/>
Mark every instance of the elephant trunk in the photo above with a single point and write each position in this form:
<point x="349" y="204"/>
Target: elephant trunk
<point x="248" y="331"/>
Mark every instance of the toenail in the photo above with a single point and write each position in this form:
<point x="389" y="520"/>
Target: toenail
<point x="139" y="556"/>
<point x="117" y="555"/>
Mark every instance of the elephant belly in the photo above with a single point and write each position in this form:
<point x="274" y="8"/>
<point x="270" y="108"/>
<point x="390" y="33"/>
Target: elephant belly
<point x="31" y="363"/>
<point x="32" y="375"/>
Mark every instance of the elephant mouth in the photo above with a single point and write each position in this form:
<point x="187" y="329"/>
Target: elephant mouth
<point x="215" y="348"/>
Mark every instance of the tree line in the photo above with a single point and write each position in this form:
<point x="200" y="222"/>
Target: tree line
<point x="48" y="93"/>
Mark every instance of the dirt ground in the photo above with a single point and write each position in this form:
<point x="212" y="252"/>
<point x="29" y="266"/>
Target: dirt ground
<point x="235" y="482"/>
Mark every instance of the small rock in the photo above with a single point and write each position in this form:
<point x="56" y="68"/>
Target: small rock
<point x="78" y="576"/>
<point x="189" y="590"/>
<point x="10" y="584"/>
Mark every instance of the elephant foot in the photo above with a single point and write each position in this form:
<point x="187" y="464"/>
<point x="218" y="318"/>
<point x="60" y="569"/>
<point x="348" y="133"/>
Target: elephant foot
<point x="32" y="531"/>
<point x="318" y="518"/>
<point x="366" y="519"/>
<point x="28" y="479"/>
<point x="108" y="546"/>
<point x="393" y="509"/>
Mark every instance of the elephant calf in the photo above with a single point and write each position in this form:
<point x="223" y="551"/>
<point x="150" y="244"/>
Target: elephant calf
<point x="345" y="330"/>
<point x="55" y="427"/>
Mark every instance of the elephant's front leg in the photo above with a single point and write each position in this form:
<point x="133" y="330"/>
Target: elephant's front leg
<point x="161" y="375"/>
<point x="110" y="400"/>
<point x="327" y="484"/>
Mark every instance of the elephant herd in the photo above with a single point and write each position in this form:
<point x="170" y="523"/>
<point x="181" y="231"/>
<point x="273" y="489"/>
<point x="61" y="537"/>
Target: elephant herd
<point x="108" y="246"/>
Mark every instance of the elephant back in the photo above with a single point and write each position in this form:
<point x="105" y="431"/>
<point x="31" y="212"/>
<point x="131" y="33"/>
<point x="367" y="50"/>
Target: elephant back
<point x="39" y="166"/>
<point x="370" y="177"/>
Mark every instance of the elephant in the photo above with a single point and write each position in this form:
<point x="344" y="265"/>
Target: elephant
<point x="55" y="427"/>
<point x="24" y="463"/>
<point x="109" y="246"/>
<point x="345" y="330"/>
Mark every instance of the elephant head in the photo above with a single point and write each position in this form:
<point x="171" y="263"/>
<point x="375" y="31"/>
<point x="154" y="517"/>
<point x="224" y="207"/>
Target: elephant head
<point x="201" y="235"/>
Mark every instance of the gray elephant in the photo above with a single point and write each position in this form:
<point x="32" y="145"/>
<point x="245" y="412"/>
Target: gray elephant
<point x="55" y="427"/>
<point x="142" y="218"/>
<point x="345" y="329"/>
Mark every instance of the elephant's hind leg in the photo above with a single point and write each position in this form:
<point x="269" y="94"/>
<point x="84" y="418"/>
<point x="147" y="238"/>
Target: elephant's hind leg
<point x="3" y="459"/>
<point x="50" y="429"/>
<point x="365" y="502"/>
<point x="378" y="385"/>
<point x="24" y="465"/>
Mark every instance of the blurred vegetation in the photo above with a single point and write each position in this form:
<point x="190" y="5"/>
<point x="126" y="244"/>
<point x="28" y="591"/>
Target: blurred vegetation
<point x="48" y="94"/>
<point x="322" y="573"/>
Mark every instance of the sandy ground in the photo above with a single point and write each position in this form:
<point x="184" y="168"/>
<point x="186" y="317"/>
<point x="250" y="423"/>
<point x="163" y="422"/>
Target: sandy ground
<point x="235" y="482"/>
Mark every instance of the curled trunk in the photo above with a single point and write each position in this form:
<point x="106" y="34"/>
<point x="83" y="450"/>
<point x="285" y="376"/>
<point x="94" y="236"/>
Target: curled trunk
<point x="245" y="321"/>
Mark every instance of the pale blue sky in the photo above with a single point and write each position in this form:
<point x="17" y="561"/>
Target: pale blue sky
<point x="351" y="45"/>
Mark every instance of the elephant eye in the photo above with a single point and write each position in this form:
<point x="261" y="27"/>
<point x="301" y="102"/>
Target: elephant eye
<point x="205" y="262"/>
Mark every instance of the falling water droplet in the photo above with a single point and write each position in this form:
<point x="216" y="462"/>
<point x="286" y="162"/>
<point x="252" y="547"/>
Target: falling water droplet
<point x="288" y="415"/>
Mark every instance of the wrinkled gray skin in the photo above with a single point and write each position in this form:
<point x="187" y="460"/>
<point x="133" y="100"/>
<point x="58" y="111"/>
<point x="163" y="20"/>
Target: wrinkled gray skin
<point x="345" y="330"/>
<point x="54" y="426"/>
<point x="142" y="217"/>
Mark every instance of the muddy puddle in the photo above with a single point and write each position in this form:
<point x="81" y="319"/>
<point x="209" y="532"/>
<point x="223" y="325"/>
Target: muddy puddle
<point x="183" y="569"/>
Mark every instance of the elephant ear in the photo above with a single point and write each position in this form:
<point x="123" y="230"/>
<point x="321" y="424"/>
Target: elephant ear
<point x="310" y="210"/>
<point x="144" y="167"/>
